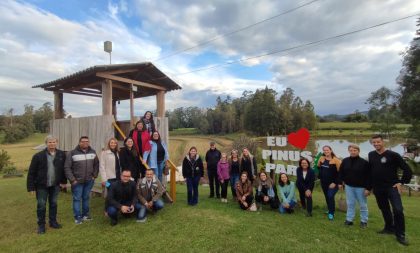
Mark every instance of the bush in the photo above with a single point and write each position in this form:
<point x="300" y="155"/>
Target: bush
<point x="11" y="171"/>
<point x="16" y="133"/>
<point x="4" y="159"/>
<point x="245" y="142"/>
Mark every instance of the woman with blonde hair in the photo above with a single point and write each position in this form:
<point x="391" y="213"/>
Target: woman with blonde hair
<point x="329" y="165"/>
<point x="249" y="164"/>
<point x="109" y="164"/>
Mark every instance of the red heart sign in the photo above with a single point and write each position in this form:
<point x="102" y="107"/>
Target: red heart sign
<point x="299" y="139"/>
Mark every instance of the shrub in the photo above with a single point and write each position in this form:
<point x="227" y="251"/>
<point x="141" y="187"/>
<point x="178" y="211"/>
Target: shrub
<point x="4" y="159"/>
<point x="11" y="171"/>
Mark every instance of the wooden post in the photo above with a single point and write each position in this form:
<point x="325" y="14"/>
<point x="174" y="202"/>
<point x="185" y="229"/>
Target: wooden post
<point x="114" y="108"/>
<point x="131" y="106"/>
<point x="160" y="104"/>
<point x="107" y="97"/>
<point x="58" y="105"/>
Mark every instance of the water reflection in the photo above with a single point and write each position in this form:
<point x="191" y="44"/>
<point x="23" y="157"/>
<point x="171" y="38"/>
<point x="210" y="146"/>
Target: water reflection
<point x="339" y="146"/>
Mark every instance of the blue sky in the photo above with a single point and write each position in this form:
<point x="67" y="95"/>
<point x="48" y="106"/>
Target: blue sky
<point x="41" y="40"/>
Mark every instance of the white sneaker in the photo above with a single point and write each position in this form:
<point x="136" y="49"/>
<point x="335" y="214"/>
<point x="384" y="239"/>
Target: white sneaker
<point x="141" y="221"/>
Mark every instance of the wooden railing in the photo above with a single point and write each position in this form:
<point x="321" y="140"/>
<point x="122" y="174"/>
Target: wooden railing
<point x="172" y="187"/>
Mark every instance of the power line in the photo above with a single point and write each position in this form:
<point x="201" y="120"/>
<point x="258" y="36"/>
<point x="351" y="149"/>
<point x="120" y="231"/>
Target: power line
<point x="202" y="43"/>
<point x="313" y="43"/>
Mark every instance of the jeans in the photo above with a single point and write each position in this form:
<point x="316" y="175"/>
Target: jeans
<point x="159" y="170"/>
<point x="395" y="220"/>
<point x="81" y="193"/>
<point x="192" y="189"/>
<point x="354" y="194"/>
<point x="224" y="187"/>
<point x="329" y="196"/>
<point x="234" y="178"/>
<point x="157" y="205"/>
<point x="283" y="209"/>
<point x="42" y="194"/>
<point x="112" y="211"/>
<point x="305" y="201"/>
<point x="213" y="181"/>
<point x="274" y="204"/>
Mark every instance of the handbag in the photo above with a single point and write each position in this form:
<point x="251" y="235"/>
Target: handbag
<point x="342" y="203"/>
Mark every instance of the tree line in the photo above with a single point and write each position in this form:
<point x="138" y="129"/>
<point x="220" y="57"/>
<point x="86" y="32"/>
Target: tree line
<point x="261" y="112"/>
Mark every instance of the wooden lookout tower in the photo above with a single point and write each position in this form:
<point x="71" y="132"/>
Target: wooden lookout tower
<point x="112" y="83"/>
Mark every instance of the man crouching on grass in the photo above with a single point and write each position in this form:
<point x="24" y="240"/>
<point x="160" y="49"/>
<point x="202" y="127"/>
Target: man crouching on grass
<point x="122" y="197"/>
<point x="45" y="176"/>
<point x="149" y="190"/>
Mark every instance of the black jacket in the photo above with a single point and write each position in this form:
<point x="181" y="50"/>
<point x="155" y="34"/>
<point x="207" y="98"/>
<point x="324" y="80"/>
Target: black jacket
<point x="120" y="193"/>
<point x="192" y="168"/>
<point x="384" y="169"/>
<point x="37" y="174"/>
<point x="355" y="171"/>
<point x="212" y="158"/>
<point x="305" y="184"/>
<point x="130" y="160"/>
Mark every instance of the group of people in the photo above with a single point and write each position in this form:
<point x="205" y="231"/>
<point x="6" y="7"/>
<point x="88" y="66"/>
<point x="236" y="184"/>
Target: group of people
<point x="355" y="175"/>
<point x="129" y="188"/>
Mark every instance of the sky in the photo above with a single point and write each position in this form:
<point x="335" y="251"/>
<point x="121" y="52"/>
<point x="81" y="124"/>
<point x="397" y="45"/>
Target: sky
<point x="43" y="40"/>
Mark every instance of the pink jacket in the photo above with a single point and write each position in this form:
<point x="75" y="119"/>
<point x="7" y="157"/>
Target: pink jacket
<point x="223" y="170"/>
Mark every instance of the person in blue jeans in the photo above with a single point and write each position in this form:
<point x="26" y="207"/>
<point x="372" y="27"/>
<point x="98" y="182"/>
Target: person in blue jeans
<point x="329" y="165"/>
<point x="81" y="168"/>
<point x="45" y="176"/>
<point x="234" y="171"/>
<point x="149" y="192"/>
<point x="287" y="194"/>
<point x="157" y="156"/>
<point x="122" y="197"/>
<point x="355" y="177"/>
<point x="192" y="171"/>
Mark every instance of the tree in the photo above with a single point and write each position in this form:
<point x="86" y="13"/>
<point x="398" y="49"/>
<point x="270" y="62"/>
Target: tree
<point x="382" y="102"/>
<point x="42" y="117"/>
<point x="409" y="85"/>
<point x="261" y="114"/>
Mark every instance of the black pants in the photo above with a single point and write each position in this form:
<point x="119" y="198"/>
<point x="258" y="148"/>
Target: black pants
<point x="306" y="202"/>
<point x="213" y="180"/>
<point x="224" y="187"/>
<point x="248" y="200"/>
<point x="271" y="201"/>
<point x="393" y="220"/>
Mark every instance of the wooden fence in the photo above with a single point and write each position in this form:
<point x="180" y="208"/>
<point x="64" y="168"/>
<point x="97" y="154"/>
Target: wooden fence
<point x="99" y="129"/>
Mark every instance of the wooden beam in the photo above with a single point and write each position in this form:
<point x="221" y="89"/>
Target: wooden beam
<point x="91" y="91"/>
<point x="121" y="71"/>
<point x="121" y="87"/>
<point x="73" y="88"/>
<point x="131" y="106"/>
<point x="130" y="81"/>
<point x="114" y="108"/>
<point x="107" y="97"/>
<point x="83" y="93"/>
<point x="160" y="104"/>
<point x="58" y="105"/>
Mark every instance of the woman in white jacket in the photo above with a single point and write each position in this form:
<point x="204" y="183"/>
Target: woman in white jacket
<point x="109" y="164"/>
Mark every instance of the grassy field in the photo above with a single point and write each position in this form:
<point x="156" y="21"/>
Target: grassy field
<point x="209" y="227"/>
<point x="351" y="129"/>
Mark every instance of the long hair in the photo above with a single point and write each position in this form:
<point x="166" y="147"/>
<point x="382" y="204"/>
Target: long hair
<point x="304" y="159"/>
<point x="158" y="140"/>
<point x="281" y="183"/>
<point x="109" y="144"/>
<point x="332" y="152"/>
<point x="138" y="122"/>
<point x="133" y="150"/>
<point x="151" y="115"/>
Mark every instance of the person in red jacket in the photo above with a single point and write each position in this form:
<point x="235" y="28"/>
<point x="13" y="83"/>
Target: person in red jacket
<point x="141" y="138"/>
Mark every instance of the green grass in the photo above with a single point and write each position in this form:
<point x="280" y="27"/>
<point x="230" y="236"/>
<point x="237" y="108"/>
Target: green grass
<point x="209" y="227"/>
<point x="353" y="125"/>
<point x="184" y="131"/>
<point x="21" y="152"/>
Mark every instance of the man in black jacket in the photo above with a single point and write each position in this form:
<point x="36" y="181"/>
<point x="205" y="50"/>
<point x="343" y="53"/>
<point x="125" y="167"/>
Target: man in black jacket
<point x="45" y="176"/>
<point x="387" y="187"/>
<point x="212" y="158"/>
<point x="122" y="196"/>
